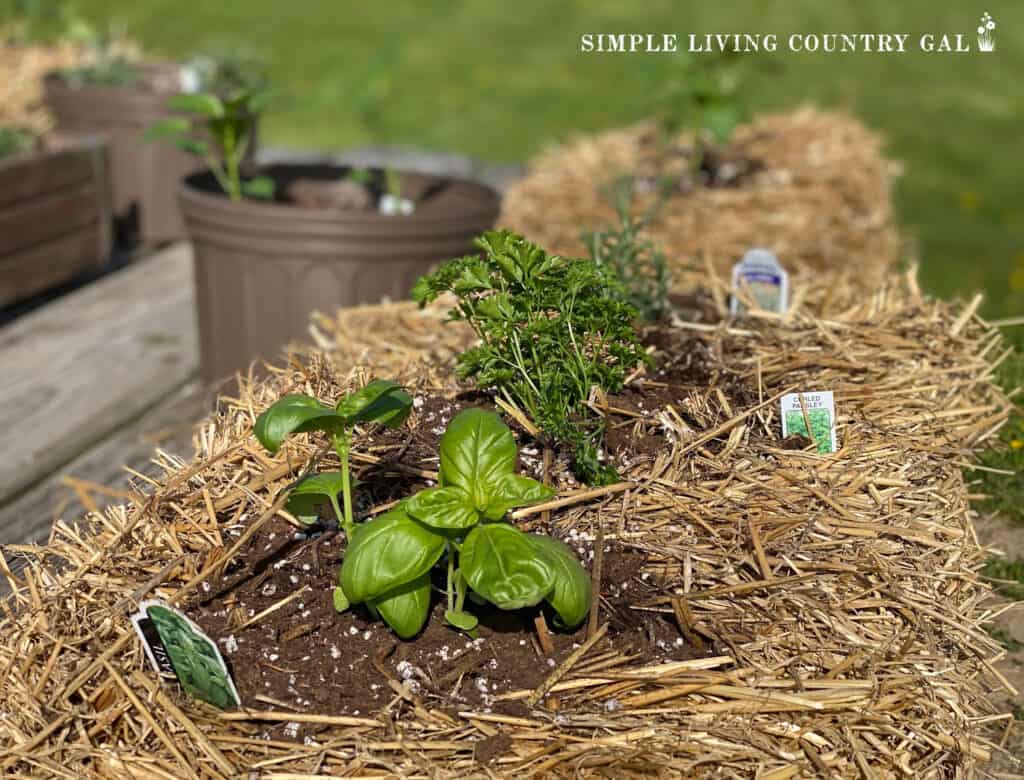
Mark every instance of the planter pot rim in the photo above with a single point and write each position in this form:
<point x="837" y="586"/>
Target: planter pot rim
<point x="217" y="207"/>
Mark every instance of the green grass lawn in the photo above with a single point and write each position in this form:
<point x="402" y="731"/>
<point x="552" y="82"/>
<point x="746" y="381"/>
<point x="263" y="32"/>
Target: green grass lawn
<point x="501" y="82"/>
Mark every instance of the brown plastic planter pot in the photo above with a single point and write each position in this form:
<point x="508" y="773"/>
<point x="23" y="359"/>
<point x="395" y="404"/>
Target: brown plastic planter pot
<point x="54" y="216"/>
<point x="143" y="174"/>
<point x="263" y="267"/>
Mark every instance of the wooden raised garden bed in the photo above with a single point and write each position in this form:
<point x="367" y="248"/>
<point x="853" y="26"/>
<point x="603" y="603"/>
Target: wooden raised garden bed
<point x="144" y="175"/>
<point x="54" y="217"/>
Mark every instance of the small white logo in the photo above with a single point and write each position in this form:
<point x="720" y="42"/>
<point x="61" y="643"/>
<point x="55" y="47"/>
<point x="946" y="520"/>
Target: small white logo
<point x="987" y="33"/>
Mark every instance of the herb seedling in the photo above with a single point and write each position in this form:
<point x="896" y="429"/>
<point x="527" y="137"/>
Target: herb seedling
<point x="381" y="401"/>
<point x="391" y="202"/>
<point x="109" y="60"/>
<point x="551" y="328"/>
<point x="639" y="265"/>
<point x="702" y="94"/>
<point x="221" y="134"/>
<point x="389" y="559"/>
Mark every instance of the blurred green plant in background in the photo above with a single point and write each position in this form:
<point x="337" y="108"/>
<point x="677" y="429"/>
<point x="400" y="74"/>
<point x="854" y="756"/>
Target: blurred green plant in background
<point x="636" y="262"/>
<point x="15" y="140"/>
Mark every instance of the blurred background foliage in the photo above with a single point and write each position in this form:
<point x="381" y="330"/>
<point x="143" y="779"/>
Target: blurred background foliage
<point x="501" y="84"/>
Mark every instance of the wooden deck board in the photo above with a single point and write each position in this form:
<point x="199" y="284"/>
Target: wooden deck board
<point x="81" y="368"/>
<point x="168" y="426"/>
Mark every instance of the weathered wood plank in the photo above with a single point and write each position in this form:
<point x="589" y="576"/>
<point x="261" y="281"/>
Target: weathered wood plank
<point x="47" y="265"/>
<point x="169" y="426"/>
<point x="82" y="366"/>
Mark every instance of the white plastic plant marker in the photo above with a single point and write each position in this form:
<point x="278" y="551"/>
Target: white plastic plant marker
<point x="178" y="649"/>
<point x="190" y="79"/>
<point x="392" y="205"/>
<point x="814" y="412"/>
<point x="760" y="276"/>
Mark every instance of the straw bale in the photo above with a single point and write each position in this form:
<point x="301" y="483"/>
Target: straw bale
<point x="837" y="596"/>
<point x="821" y="201"/>
<point x="21" y="81"/>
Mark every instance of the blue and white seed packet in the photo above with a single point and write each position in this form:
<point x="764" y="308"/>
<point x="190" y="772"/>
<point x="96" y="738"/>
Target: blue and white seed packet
<point x="760" y="276"/>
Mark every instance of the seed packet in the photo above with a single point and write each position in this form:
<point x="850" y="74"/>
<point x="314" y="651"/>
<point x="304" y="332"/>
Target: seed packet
<point x="818" y="409"/>
<point x="760" y="276"/>
<point x="178" y="649"/>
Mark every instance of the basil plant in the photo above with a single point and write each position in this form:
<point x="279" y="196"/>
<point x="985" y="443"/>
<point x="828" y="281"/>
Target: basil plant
<point x="461" y="525"/>
<point x="381" y="401"/>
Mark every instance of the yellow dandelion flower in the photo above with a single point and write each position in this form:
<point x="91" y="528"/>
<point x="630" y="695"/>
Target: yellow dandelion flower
<point x="1016" y="444"/>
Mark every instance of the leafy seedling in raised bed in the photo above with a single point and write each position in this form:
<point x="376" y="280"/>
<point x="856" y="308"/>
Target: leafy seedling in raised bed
<point x="638" y="264"/>
<point x="381" y="401"/>
<point x="704" y="94"/>
<point x="389" y="560"/>
<point x="220" y="132"/>
<point x="550" y="328"/>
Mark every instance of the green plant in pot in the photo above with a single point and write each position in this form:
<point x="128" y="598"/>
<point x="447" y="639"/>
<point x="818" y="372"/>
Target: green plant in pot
<point x="290" y="233"/>
<point x="220" y="131"/>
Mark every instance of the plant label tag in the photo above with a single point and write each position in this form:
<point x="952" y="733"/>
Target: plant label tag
<point x="812" y="415"/>
<point x="392" y="205"/>
<point x="178" y="648"/>
<point x="760" y="277"/>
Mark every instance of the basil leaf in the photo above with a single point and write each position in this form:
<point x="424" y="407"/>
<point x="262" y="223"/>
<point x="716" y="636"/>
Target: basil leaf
<point x="259" y="187"/>
<point x="501" y="564"/>
<point x="386" y="553"/>
<point x="477" y="449"/>
<point x="515" y="490"/>
<point x="462" y="620"/>
<point x="406" y="608"/>
<point x="293" y="414"/>
<point x="312" y="492"/>
<point x="571" y="595"/>
<point x="340" y="599"/>
<point x="167" y="128"/>
<point x="381" y="401"/>
<point x="191" y="145"/>
<point x="442" y="507"/>
<point x="197" y="103"/>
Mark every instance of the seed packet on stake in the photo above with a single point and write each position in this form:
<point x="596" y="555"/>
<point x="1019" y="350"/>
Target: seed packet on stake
<point x="760" y="276"/>
<point x="812" y="415"/>
<point x="178" y="648"/>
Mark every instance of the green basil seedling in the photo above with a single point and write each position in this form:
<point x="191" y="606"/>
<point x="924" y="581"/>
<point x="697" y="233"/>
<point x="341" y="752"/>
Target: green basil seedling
<point x="389" y="559"/>
<point x="381" y="401"/>
<point x="307" y="495"/>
